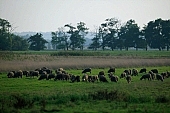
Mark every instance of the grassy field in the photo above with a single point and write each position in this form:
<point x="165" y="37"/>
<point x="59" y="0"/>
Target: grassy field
<point x="29" y="95"/>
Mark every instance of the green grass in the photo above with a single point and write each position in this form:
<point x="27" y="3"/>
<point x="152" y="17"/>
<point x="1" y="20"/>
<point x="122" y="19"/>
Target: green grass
<point x="27" y="95"/>
<point x="116" y="53"/>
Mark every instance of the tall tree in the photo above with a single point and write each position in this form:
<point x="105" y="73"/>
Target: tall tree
<point x="129" y="33"/>
<point x="77" y="35"/>
<point x="95" y="41"/>
<point x="112" y="27"/>
<point x="37" y="42"/>
<point x="166" y="32"/>
<point x="154" y="35"/>
<point x="5" y="35"/>
<point x="59" y="39"/>
<point x="19" y="43"/>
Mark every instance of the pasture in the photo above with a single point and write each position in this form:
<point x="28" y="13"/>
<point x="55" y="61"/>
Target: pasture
<point x="29" y="95"/>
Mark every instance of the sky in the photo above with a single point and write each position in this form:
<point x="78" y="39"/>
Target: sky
<point x="49" y="15"/>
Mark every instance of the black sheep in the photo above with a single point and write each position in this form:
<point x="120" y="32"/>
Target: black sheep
<point x="143" y="70"/>
<point x="111" y="70"/>
<point x="87" y="70"/>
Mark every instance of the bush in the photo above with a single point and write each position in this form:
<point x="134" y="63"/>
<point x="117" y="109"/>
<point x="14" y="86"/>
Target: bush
<point x="162" y="99"/>
<point x="112" y="95"/>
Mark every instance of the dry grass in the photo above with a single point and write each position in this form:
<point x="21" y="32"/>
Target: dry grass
<point x="36" y="61"/>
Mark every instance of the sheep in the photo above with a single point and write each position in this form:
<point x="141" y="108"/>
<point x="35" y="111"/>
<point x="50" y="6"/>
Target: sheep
<point x="154" y="70"/>
<point x="128" y="78"/>
<point x="111" y="70"/>
<point x="85" y="78"/>
<point x="159" y="77"/>
<point x="87" y="70"/>
<point x="49" y="71"/>
<point x="143" y="70"/>
<point x="168" y="74"/>
<point x="75" y="78"/>
<point x="152" y="75"/>
<point x="101" y="73"/>
<point x="10" y="74"/>
<point x="50" y="76"/>
<point x="26" y="73"/>
<point x="94" y="78"/>
<point x="147" y="76"/>
<point x="65" y="76"/>
<point x="134" y="72"/>
<point x="102" y="78"/>
<point x="59" y="76"/>
<point x="123" y="75"/>
<point x="164" y="75"/>
<point x="18" y="74"/>
<point x="34" y="73"/>
<point x="128" y="71"/>
<point x="114" y="78"/>
<point x="43" y="76"/>
<point x="90" y="78"/>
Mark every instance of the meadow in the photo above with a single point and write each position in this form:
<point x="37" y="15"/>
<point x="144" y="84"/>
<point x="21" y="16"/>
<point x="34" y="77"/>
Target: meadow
<point x="29" y="95"/>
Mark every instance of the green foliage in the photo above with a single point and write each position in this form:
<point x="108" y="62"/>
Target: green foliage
<point x="37" y="42"/>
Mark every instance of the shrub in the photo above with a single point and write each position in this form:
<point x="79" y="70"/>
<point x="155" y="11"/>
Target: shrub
<point x="114" y="95"/>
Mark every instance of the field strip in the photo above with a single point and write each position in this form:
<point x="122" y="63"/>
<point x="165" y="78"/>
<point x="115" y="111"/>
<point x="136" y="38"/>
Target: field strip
<point x="82" y="62"/>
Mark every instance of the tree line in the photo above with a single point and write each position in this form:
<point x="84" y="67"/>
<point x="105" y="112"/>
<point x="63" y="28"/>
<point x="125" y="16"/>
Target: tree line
<point x="111" y="34"/>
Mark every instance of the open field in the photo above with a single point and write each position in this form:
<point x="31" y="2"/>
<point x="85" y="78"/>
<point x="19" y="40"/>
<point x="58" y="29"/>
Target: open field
<point x="68" y="60"/>
<point x="29" y="95"/>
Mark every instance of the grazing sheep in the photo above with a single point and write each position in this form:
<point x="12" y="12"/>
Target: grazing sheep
<point x="85" y="78"/>
<point x="34" y="73"/>
<point x="102" y="78"/>
<point x="42" y="76"/>
<point x="134" y="72"/>
<point x="128" y="78"/>
<point x="111" y="70"/>
<point x="168" y="74"/>
<point x="123" y="75"/>
<point x="59" y="76"/>
<point x="154" y="70"/>
<point x="18" y="74"/>
<point x="143" y="70"/>
<point x="90" y="78"/>
<point x="147" y="76"/>
<point x="75" y="78"/>
<point x="101" y="73"/>
<point x="164" y="75"/>
<point x="26" y="73"/>
<point x="65" y="76"/>
<point x="114" y="78"/>
<point x="50" y="76"/>
<point x="152" y="75"/>
<point x="49" y="71"/>
<point x="10" y="74"/>
<point x="159" y="77"/>
<point x="128" y="71"/>
<point x="87" y="70"/>
<point x="94" y="78"/>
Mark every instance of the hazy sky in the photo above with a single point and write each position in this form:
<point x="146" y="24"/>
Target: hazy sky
<point x="49" y="15"/>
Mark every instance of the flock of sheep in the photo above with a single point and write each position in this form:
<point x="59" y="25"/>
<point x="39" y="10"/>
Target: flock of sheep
<point x="61" y="74"/>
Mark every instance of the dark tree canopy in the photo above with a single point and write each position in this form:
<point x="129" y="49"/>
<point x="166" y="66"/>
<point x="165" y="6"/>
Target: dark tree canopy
<point x="37" y="42"/>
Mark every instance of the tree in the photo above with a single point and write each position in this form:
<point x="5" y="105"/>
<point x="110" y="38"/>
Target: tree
<point x="77" y="35"/>
<point x="59" y="39"/>
<point x="37" y="42"/>
<point x="129" y="33"/>
<point x="5" y="35"/>
<point x="19" y="43"/>
<point x="95" y="41"/>
<point x="166" y="32"/>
